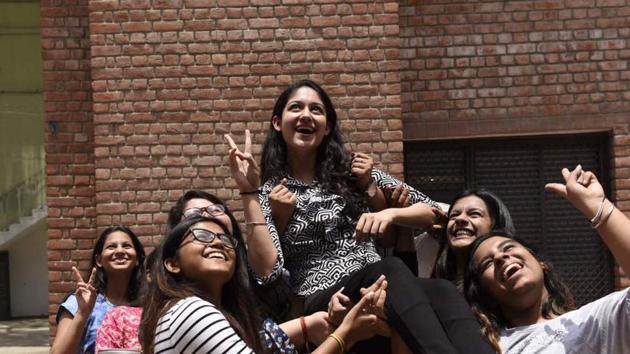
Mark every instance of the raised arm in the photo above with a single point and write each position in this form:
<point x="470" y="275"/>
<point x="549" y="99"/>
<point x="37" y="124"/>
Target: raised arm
<point x="362" y="165"/>
<point x="583" y="190"/>
<point x="71" y="326"/>
<point x="262" y="254"/>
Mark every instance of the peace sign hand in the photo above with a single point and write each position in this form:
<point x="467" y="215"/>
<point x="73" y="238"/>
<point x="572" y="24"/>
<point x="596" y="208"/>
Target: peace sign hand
<point x="86" y="292"/>
<point x="242" y="164"/>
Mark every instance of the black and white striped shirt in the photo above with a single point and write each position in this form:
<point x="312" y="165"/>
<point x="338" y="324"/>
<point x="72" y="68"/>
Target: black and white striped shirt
<point x="194" y="325"/>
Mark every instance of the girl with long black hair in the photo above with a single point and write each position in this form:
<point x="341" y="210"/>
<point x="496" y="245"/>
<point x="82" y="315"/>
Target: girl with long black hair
<point x="116" y="279"/>
<point x="523" y="305"/>
<point x="472" y="213"/>
<point x="318" y="227"/>
<point x="199" y="298"/>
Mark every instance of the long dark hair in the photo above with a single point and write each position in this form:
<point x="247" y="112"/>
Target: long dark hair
<point x="487" y="309"/>
<point x="165" y="289"/>
<point x="333" y="161"/>
<point x="177" y="211"/>
<point x="137" y="278"/>
<point x="446" y="266"/>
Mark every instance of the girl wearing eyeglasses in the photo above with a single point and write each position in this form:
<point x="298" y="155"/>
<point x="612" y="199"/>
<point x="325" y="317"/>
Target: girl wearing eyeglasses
<point x="199" y="299"/>
<point x="197" y="203"/>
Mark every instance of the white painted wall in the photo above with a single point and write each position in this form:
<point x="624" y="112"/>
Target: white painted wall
<point x="28" y="272"/>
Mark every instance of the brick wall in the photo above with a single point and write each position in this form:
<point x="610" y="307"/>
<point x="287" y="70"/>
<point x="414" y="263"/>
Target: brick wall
<point x="69" y="143"/>
<point x="143" y="105"/>
<point x="171" y="77"/>
<point x="489" y="68"/>
<point x="138" y="93"/>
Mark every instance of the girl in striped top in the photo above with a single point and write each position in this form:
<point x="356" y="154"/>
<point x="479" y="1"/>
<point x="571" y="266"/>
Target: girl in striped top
<point x="199" y="300"/>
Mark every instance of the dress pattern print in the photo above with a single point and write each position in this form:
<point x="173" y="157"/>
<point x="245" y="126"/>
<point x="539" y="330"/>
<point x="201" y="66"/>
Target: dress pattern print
<point x="317" y="246"/>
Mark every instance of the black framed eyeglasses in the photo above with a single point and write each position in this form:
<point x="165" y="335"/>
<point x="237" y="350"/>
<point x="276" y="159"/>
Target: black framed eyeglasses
<point x="206" y="237"/>
<point x="212" y="210"/>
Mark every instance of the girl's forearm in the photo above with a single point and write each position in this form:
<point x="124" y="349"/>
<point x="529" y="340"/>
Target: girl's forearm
<point x="69" y="334"/>
<point x="261" y="252"/>
<point x="615" y="232"/>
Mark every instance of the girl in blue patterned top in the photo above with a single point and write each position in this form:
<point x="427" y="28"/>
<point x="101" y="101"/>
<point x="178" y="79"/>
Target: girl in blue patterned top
<point x="116" y="279"/>
<point x="315" y="200"/>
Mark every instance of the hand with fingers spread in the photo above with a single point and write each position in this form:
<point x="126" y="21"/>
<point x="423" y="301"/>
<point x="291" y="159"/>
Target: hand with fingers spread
<point x="398" y="197"/>
<point x="581" y="188"/>
<point x="85" y="293"/>
<point x="244" y="168"/>
<point x="373" y="225"/>
<point x="282" y="203"/>
<point x="362" y="168"/>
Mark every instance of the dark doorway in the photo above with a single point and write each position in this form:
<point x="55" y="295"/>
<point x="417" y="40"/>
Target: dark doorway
<point x="5" y="290"/>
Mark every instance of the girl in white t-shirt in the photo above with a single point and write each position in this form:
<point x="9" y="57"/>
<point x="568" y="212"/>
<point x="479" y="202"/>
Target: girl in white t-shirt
<point x="523" y="305"/>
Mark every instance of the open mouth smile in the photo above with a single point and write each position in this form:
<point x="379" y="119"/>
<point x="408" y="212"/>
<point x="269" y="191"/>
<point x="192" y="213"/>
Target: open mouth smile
<point x="509" y="271"/>
<point x="216" y="254"/>
<point x="305" y="130"/>
<point x="463" y="233"/>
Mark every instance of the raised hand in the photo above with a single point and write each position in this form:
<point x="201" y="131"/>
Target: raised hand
<point x="282" y="203"/>
<point x="244" y="168"/>
<point x="362" y="168"/>
<point x="581" y="188"/>
<point x="85" y="293"/>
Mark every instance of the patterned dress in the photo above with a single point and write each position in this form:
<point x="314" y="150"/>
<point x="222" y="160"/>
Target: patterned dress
<point x="119" y="329"/>
<point x="317" y="248"/>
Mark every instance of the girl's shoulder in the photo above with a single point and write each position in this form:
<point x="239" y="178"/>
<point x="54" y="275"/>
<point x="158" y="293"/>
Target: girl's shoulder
<point x="191" y="302"/>
<point x="71" y="305"/>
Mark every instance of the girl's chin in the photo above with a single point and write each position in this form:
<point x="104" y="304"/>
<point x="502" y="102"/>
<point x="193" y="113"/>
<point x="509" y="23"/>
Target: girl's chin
<point x="461" y="243"/>
<point x="303" y="146"/>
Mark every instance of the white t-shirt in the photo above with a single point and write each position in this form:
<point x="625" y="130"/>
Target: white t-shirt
<point x="602" y="326"/>
<point x="194" y="325"/>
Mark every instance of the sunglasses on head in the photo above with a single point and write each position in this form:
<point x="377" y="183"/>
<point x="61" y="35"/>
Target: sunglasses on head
<point x="206" y="237"/>
<point x="212" y="210"/>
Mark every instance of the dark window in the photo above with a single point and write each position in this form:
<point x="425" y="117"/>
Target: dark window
<point x="516" y="169"/>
